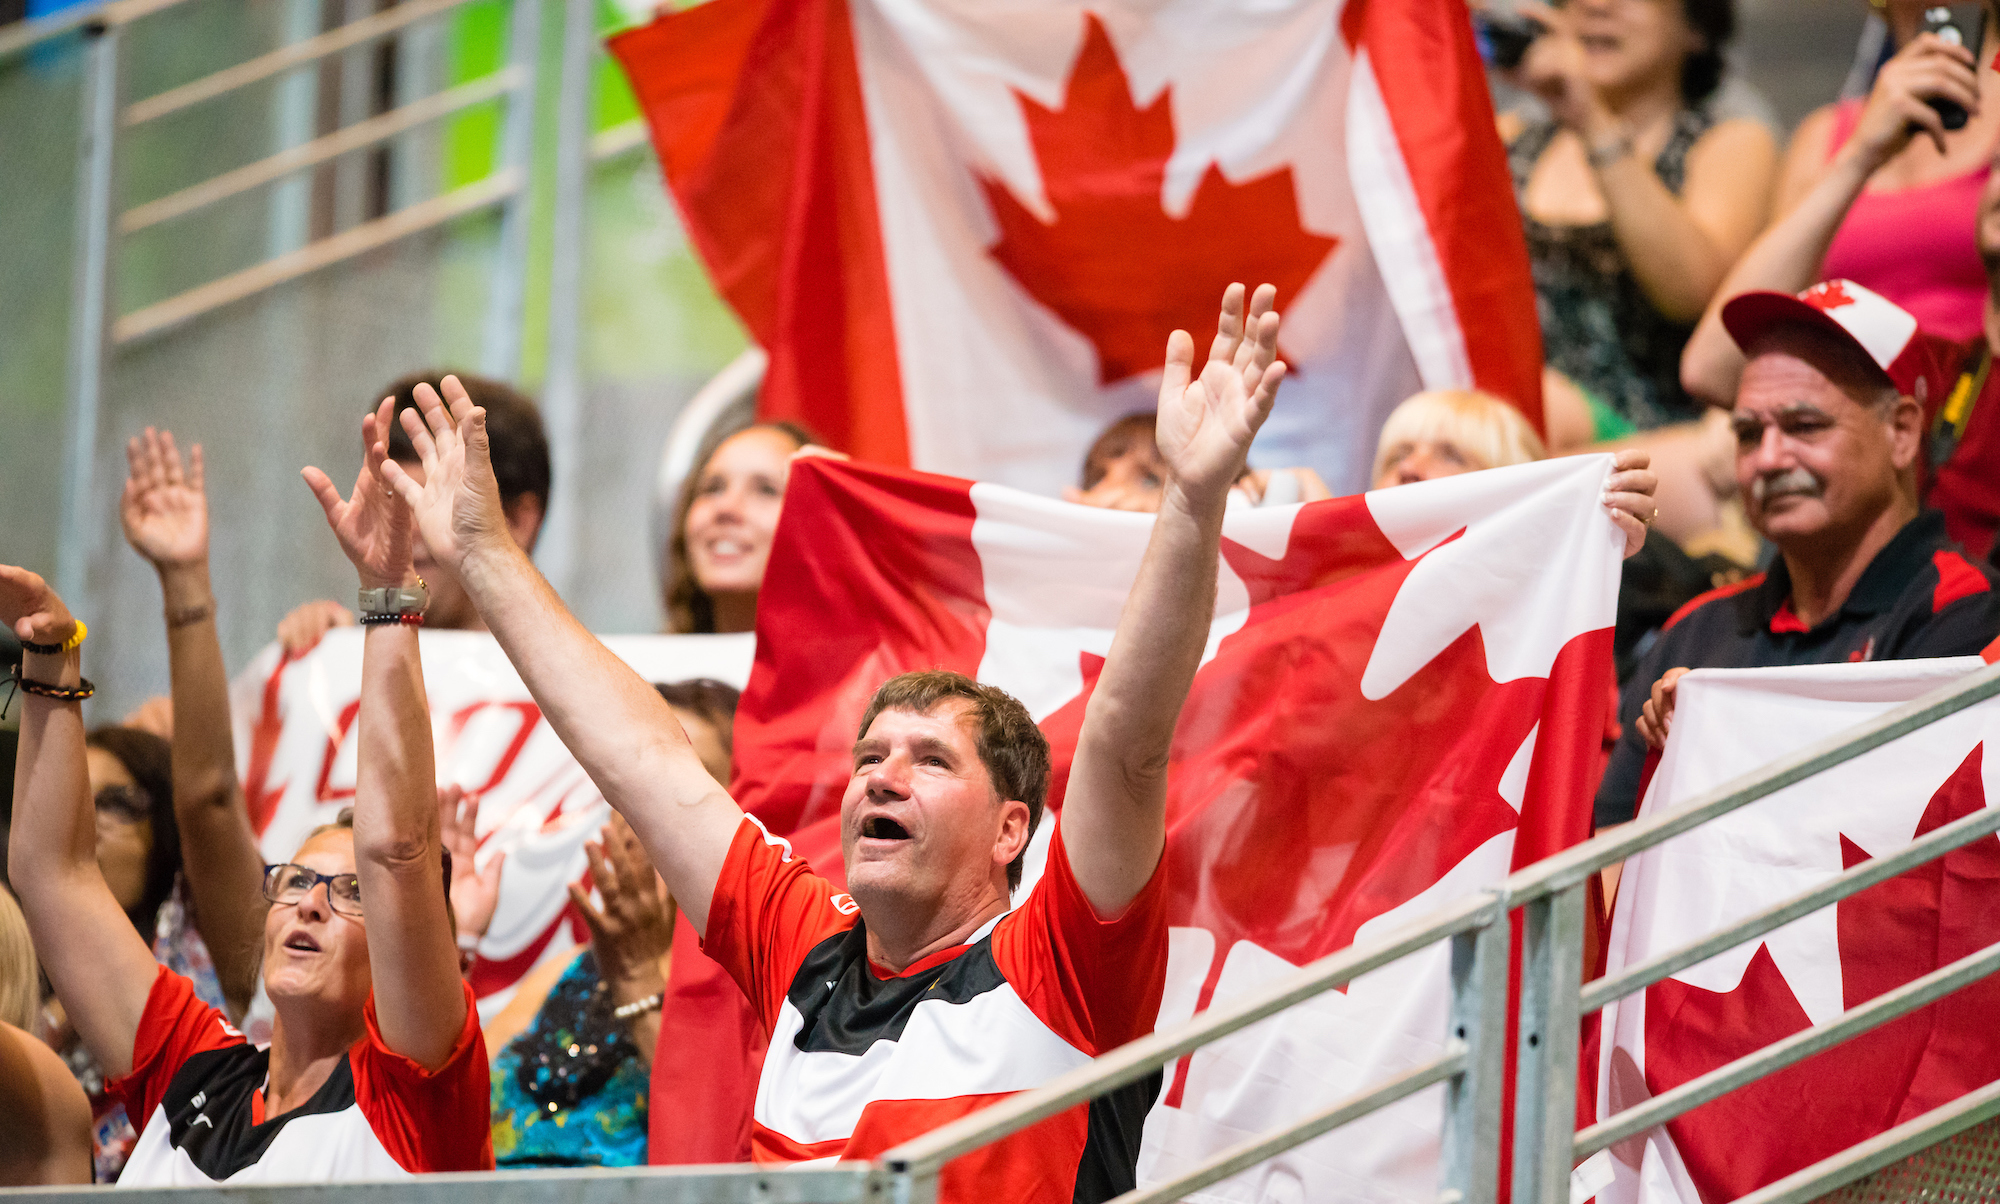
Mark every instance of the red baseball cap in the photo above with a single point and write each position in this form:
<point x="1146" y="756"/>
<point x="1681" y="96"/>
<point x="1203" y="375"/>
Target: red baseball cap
<point x="1883" y="332"/>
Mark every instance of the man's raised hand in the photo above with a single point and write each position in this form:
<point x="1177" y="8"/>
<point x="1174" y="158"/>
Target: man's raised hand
<point x="372" y="525"/>
<point x="163" y="510"/>
<point x="458" y="505"/>
<point x="1206" y="422"/>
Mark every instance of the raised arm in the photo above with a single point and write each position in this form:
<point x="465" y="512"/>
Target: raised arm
<point x="165" y="515"/>
<point x="616" y="725"/>
<point x="1114" y="814"/>
<point x="398" y="851"/>
<point x="99" y="966"/>
<point x="1787" y="257"/>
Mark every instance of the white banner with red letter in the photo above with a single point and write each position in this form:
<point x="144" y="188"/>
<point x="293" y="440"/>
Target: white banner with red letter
<point x="1730" y="722"/>
<point x="1402" y="698"/>
<point x="964" y="231"/>
<point x="295" y="750"/>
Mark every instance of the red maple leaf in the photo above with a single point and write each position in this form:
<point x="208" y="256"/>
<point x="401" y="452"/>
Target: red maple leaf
<point x="1888" y="934"/>
<point x="1114" y="264"/>
<point x="1830" y="294"/>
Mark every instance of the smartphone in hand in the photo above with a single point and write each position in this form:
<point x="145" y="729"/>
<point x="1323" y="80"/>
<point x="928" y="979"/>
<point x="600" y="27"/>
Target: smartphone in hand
<point x="1504" y="38"/>
<point x="1957" y="25"/>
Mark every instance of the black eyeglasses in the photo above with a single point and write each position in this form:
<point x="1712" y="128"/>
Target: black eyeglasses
<point x="285" y="885"/>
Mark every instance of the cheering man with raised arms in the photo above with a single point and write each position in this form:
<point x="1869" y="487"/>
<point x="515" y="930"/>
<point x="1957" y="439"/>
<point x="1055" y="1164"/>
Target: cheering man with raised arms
<point x="921" y="997"/>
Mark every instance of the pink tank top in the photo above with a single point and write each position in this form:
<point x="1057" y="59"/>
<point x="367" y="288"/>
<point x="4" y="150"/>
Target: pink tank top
<point x="1915" y="246"/>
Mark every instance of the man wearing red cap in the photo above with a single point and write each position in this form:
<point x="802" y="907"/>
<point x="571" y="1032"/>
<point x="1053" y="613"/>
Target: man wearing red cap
<point x="1829" y="421"/>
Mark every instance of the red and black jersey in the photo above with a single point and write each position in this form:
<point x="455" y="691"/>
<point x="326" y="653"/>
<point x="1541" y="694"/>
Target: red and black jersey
<point x="861" y="1059"/>
<point x="1920" y="597"/>
<point x="197" y="1091"/>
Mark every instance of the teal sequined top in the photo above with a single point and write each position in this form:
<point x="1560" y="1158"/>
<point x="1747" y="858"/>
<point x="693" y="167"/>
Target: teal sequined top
<point x="572" y="1089"/>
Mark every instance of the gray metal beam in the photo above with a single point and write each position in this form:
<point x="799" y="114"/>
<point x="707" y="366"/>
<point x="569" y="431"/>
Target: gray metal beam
<point x="500" y="353"/>
<point x="562" y="383"/>
<point x="90" y="308"/>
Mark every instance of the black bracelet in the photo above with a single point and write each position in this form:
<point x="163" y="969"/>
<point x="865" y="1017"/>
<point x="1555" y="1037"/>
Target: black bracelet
<point x="42" y="649"/>
<point x="42" y="689"/>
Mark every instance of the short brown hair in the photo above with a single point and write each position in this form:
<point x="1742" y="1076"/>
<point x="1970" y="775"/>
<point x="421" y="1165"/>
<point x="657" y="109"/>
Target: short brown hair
<point x="1011" y="747"/>
<point x="516" y="442"/>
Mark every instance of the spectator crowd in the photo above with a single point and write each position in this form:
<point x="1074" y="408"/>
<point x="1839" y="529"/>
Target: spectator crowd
<point x="1786" y="346"/>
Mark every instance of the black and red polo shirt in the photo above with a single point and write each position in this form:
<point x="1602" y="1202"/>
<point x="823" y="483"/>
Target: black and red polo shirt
<point x="1920" y="597"/>
<point x="196" y="1090"/>
<point x="862" y="1059"/>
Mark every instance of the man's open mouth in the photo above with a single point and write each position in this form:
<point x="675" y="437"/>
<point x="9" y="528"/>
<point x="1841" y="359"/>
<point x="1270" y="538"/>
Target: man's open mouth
<point x="881" y="827"/>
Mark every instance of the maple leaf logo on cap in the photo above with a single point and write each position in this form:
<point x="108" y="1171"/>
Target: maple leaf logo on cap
<point x="1113" y="264"/>
<point x="1830" y="294"/>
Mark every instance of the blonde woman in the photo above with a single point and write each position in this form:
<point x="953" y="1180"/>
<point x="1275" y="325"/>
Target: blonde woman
<point x="46" y="1137"/>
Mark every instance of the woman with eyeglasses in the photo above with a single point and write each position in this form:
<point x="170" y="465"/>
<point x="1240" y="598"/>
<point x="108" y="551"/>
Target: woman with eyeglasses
<point x="139" y="854"/>
<point x="376" y="1067"/>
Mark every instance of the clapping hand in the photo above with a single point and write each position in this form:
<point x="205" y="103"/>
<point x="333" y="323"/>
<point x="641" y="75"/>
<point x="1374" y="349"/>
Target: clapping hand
<point x="475" y="892"/>
<point x="458" y="506"/>
<point x="163" y="510"/>
<point x="635" y="928"/>
<point x="373" y="524"/>
<point x="1206" y="422"/>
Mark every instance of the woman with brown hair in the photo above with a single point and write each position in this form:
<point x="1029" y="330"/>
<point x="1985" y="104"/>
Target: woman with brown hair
<point x="723" y="525"/>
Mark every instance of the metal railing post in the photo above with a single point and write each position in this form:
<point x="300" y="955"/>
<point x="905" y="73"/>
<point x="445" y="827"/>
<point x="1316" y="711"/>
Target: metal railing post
<point x="1469" y="1169"/>
<point x="1545" y="1070"/>
<point x="562" y="387"/>
<point x="90" y="304"/>
<point x="913" y="1187"/>
<point x="501" y="352"/>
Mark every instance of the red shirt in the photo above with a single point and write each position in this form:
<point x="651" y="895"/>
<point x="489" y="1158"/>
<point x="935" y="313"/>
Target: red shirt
<point x="861" y="1060"/>
<point x="196" y="1090"/>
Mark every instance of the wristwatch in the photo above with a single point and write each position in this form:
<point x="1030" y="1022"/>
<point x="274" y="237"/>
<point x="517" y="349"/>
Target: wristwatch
<point x="392" y="600"/>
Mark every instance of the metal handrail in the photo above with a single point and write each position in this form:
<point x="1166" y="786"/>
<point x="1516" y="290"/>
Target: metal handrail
<point x="298" y="54"/>
<point x="1131" y="1062"/>
<point x="1865" y="1158"/>
<point x="162" y="315"/>
<point x="1774" y="1057"/>
<point x="102" y="13"/>
<point x="310" y="154"/>
<point x="1954" y="835"/>
<point x="1574" y="865"/>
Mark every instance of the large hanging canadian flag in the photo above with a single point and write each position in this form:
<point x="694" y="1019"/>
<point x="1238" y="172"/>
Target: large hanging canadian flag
<point x="1729" y="722"/>
<point x="963" y="232"/>
<point x="1402" y="698"/>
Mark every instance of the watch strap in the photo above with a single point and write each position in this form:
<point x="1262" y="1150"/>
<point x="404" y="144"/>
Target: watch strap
<point x="394" y="600"/>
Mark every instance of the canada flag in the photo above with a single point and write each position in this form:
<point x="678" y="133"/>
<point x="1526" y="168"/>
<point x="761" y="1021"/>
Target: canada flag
<point x="963" y="231"/>
<point x="1402" y="698"/>
<point x="1727" y="723"/>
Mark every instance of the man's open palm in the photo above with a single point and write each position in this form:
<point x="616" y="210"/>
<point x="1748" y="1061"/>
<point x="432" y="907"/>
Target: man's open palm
<point x="373" y="524"/>
<point x="163" y="510"/>
<point x="1206" y="422"/>
<point x="458" y="505"/>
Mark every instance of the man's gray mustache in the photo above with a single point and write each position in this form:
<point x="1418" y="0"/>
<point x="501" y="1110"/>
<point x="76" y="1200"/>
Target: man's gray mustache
<point x="1791" y="481"/>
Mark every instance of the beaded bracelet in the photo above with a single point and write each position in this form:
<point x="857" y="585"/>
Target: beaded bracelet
<point x="75" y="639"/>
<point x="41" y="689"/>
<point x="412" y="618"/>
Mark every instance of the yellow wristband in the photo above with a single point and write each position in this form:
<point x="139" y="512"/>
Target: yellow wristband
<point x="76" y="638"/>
